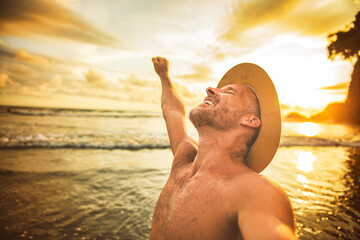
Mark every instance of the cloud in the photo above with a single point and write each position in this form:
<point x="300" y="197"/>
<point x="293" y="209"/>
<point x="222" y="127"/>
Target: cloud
<point x="188" y="95"/>
<point x="295" y="16"/>
<point x="6" y="52"/>
<point x="249" y="14"/>
<point x="132" y="79"/>
<point x="25" y="56"/>
<point x="143" y="90"/>
<point x="5" y="80"/>
<point x="48" y="18"/>
<point x="201" y="72"/>
<point x="54" y="85"/>
<point x="56" y="81"/>
<point x="140" y="90"/>
<point x="320" y="17"/>
<point x="96" y="79"/>
<point x="338" y="88"/>
<point x="45" y="63"/>
<point x="19" y="70"/>
<point x="31" y="69"/>
<point x="29" y="74"/>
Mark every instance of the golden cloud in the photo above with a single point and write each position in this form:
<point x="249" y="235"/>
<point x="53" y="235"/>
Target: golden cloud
<point x="140" y="90"/>
<point x="5" y="80"/>
<point x="53" y="85"/>
<point x="187" y="95"/>
<point x="300" y="16"/>
<point x="132" y="79"/>
<point x="96" y="79"/>
<point x="201" y="72"/>
<point x="25" y="56"/>
<point x="340" y="87"/>
<point x="249" y="14"/>
<point x="143" y="90"/>
<point x="19" y="70"/>
<point x="49" y="18"/>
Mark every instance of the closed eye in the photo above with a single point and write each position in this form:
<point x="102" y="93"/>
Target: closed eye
<point x="230" y="90"/>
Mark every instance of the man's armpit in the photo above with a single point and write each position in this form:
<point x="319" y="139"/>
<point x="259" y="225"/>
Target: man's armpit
<point x="185" y="153"/>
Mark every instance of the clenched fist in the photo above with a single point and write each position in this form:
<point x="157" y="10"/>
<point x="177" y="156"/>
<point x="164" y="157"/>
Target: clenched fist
<point x="161" y="66"/>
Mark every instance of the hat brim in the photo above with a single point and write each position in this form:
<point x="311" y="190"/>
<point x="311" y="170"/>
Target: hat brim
<point x="267" y="142"/>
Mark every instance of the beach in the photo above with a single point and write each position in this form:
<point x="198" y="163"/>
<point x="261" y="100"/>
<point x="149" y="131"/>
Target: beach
<point x="92" y="174"/>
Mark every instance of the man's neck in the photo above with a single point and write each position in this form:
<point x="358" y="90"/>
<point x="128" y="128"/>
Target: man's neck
<point x="220" y="152"/>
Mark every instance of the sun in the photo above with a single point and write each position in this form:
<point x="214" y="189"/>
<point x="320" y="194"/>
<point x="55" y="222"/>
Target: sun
<point x="309" y="129"/>
<point x="299" y="73"/>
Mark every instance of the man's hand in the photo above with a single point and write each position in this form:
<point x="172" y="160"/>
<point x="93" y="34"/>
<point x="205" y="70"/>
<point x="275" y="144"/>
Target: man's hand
<point x="161" y="66"/>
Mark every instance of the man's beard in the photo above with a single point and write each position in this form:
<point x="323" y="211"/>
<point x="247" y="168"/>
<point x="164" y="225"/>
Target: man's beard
<point x="221" y="119"/>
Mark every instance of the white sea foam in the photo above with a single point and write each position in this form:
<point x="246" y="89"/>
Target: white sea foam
<point x="97" y="129"/>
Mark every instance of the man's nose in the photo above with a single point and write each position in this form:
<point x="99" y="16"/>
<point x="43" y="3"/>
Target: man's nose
<point x="211" y="91"/>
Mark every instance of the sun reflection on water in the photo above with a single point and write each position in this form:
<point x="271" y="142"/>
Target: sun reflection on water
<point x="305" y="164"/>
<point x="305" y="161"/>
<point x="301" y="178"/>
<point x="309" y="129"/>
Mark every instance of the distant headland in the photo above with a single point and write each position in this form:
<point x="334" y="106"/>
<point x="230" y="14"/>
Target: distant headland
<point x="346" y="45"/>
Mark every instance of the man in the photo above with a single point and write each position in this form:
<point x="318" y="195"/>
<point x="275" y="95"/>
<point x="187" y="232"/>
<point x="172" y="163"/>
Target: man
<point x="214" y="190"/>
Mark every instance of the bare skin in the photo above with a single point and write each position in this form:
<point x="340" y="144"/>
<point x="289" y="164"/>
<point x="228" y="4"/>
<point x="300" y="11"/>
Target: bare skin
<point x="211" y="193"/>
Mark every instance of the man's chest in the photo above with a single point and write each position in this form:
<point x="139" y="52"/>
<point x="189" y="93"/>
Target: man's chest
<point x="194" y="208"/>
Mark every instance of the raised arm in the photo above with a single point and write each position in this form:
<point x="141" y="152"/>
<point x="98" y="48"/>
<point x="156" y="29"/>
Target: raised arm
<point x="173" y="110"/>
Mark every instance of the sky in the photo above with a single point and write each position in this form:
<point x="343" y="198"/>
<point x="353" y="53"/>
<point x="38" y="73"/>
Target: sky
<point x="97" y="54"/>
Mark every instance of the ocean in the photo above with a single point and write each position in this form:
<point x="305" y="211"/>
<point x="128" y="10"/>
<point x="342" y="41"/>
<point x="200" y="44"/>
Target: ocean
<point x="96" y="174"/>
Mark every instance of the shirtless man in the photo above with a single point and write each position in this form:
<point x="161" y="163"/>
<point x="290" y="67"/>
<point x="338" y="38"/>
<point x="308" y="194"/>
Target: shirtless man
<point x="211" y="192"/>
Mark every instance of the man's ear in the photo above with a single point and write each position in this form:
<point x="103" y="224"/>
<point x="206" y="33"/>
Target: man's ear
<point x="251" y="121"/>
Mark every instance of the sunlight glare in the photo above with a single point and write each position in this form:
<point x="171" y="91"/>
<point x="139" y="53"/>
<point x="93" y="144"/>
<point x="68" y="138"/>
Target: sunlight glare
<point x="305" y="161"/>
<point x="301" y="178"/>
<point x="309" y="129"/>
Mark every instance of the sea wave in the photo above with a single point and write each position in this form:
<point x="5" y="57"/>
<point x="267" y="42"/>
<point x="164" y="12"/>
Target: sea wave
<point x="92" y="141"/>
<point x="292" y="141"/>
<point x="78" y="113"/>
<point x="81" y="141"/>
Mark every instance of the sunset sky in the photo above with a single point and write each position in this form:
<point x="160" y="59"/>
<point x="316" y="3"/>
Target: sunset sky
<point x="97" y="54"/>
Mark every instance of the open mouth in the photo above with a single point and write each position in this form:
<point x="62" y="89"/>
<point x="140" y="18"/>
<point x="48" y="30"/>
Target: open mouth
<point x="209" y="102"/>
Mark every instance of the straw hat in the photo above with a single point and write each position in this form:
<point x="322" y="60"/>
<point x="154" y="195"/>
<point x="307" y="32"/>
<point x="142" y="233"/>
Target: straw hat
<point x="267" y="142"/>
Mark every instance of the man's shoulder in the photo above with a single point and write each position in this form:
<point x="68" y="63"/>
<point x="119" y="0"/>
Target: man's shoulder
<point x="253" y="183"/>
<point x="258" y="193"/>
<point x="253" y="188"/>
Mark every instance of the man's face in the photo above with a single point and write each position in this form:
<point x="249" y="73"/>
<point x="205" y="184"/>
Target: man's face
<point x="223" y="108"/>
